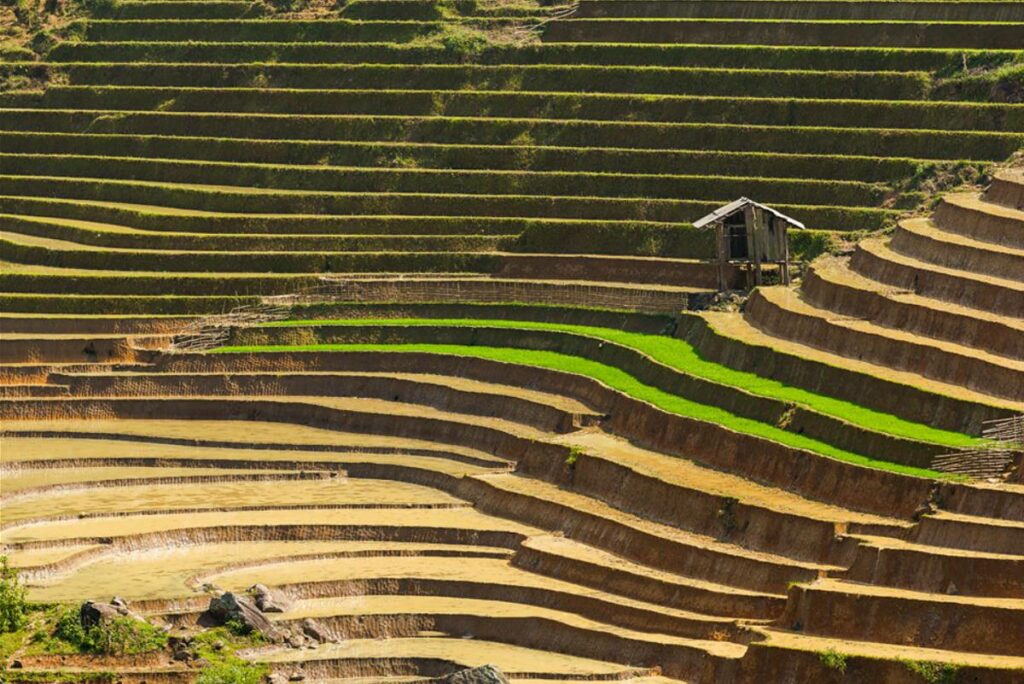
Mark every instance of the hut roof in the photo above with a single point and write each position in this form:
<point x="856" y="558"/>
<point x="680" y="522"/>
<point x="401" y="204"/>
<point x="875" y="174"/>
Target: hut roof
<point x="733" y="207"/>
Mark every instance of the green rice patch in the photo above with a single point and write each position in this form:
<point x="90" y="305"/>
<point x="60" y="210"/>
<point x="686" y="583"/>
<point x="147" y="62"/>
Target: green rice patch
<point x="618" y="380"/>
<point x="682" y="356"/>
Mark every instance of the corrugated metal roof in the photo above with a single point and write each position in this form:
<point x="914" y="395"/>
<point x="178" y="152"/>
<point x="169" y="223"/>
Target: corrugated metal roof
<point x="733" y="207"/>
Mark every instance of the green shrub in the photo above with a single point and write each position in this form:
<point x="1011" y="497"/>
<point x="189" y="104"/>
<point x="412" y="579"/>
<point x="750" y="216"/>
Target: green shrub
<point x="219" y="646"/>
<point x="99" y="8"/>
<point x="807" y="245"/>
<point x="13" y="607"/>
<point x="833" y="660"/>
<point x="69" y="627"/>
<point x="933" y="672"/>
<point x="462" y="41"/>
<point x="1002" y="84"/>
<point x="231" y="672"/>
<point x="126" y="636"/>
<point x="119" y="636"/>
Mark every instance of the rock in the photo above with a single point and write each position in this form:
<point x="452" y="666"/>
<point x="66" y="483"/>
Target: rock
<point x="316" y="631"/>
<point x="230" y="607"/>
<point x="182" y="654"/>
<point x="296" y="640"/>
<point x="269" y="601"/>
<point x="16" y="665"/>
<point x="120" y="604"/>
<point x="485" y="674"/>
<point x="92" y="613"/>
<point x="276" y="679"/>
<point x="181" y="648"/>
<point x="297" y="676"/>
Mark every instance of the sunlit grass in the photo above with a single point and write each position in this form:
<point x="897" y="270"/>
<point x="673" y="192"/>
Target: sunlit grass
<point x="682" y="356"/>
<point x="616" y="379"/>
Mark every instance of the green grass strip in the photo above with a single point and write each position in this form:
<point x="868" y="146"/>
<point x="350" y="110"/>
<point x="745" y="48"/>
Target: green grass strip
<point x="682" y="356"/>
<point x="616" y="379"/>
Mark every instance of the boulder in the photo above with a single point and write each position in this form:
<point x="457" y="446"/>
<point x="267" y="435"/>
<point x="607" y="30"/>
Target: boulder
<point x="230" y="607"/>
<point x="316" y="631"/>
<point x="268" y="600"/>
<point x="181" y="649"/>
<point x="93" y="613"/>
<point x="276" y="679"/>
<point x="485" y="674"/>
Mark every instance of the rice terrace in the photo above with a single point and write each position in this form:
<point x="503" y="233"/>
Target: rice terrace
<point x="512" y="341"/>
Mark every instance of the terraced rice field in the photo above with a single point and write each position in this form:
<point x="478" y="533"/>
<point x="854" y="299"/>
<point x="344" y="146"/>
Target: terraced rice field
<point x="396" y="307"/>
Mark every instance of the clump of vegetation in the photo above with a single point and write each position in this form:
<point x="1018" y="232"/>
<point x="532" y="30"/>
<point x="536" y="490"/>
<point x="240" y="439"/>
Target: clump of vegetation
<point x="991" y="83"/>
<point x="933" y="672"/>
<point x="291" y="5"/>
<point x="463" y="42"/>
<point x="13" y="606"/>
<point x="573" y="457"/>
<point x="808" y="245"/>
<point x="119" y="636"/>
<point x="99" y="8"/>
<point x="934" y="178"/>
<point x="235" y="671"/>
<point x="29" y="29"/>
<point x="219" y="647"/>
<point x="833" y="660"/>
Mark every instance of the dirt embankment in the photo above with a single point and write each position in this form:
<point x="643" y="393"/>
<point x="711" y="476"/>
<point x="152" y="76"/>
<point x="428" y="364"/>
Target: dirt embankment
<point x="1007" y="189"/>
<point x="416" y="391"/>
<point x="644" y="587"/>
<point x="766" y="663"/>
<point x="74" y="350"/>
<point x="937" y="322"/>
<point x="931" y="570"/>
<point x="948" y="413"/>
<point x="987" y="260"/>
<point x="871" y="261"/>
<point x="965" y="218"/>
<point x="905" y="619"/>
<point x="960" y="369"/>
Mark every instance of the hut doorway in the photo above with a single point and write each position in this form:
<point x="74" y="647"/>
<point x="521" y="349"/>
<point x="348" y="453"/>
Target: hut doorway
<point x="736" y="237"/>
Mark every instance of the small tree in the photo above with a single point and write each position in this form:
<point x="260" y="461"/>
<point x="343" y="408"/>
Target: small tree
<point x="13" y="607"/>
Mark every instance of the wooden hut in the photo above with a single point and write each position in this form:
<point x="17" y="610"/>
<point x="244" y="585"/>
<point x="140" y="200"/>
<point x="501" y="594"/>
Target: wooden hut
<point x="747" y="232"/>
